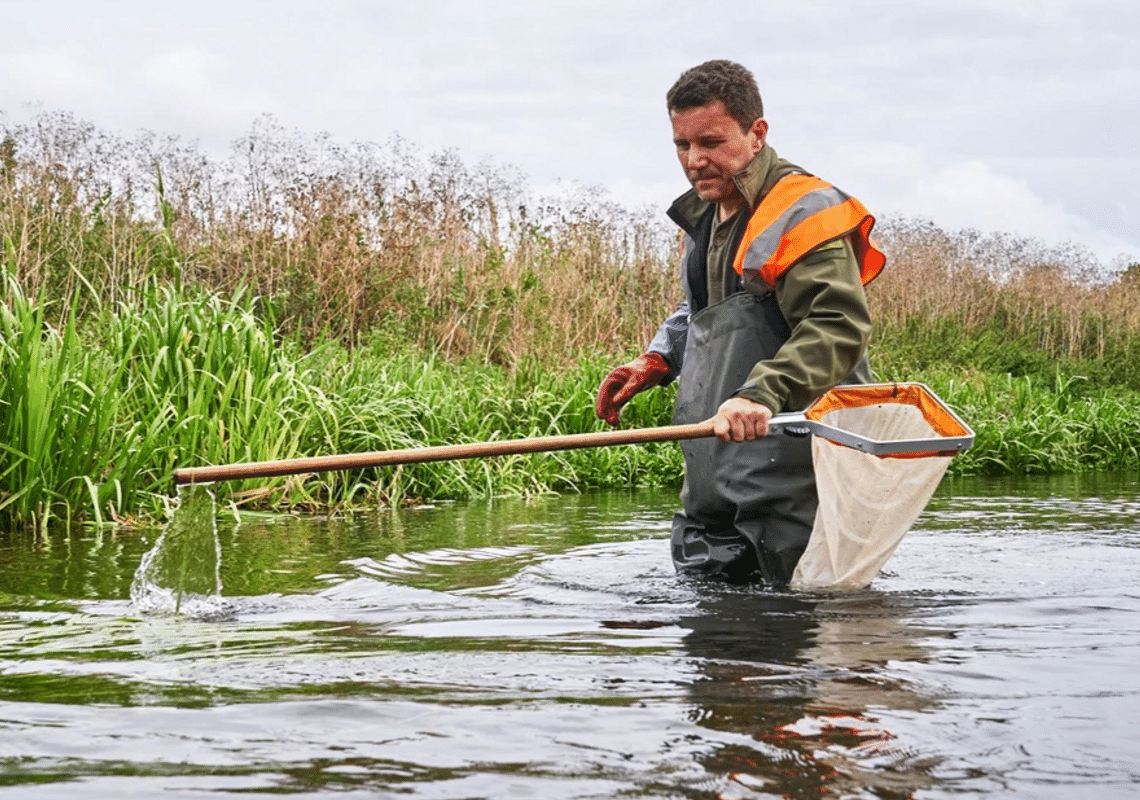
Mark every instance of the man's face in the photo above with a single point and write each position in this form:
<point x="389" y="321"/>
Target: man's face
<point x="712" y="148"/>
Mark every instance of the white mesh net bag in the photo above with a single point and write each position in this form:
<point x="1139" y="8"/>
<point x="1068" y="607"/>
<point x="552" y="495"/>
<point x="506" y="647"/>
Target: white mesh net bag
<point x="879" y="452"/>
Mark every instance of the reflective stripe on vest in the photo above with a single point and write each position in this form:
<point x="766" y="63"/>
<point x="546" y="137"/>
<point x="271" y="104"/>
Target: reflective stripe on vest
<point x="801" y="213"/>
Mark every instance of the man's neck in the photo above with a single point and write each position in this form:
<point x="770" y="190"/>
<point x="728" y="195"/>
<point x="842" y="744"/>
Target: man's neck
<point x="726" y="209"/>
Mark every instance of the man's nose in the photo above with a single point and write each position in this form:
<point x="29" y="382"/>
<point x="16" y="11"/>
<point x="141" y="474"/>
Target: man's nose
<point x="696" y="158"/>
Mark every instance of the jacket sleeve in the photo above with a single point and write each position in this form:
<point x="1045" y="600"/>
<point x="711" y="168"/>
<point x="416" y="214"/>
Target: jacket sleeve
<point x="822" y="299"/>
<point x="670" y="340"/>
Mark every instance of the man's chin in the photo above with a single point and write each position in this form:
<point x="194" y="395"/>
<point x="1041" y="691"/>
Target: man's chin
<point x="710" y="189"/>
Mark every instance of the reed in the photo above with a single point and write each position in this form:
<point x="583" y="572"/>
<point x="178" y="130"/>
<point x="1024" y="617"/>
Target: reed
<point x="53" y="415"/>
<point x="1004" y="304"/>
<point x="346" y="241"/>
<point x="96" y="430"/>
<point x="339" y="241"/>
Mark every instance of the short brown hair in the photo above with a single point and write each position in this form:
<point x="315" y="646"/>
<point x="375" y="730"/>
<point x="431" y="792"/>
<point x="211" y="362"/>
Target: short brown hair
<point x="722" y="80"/>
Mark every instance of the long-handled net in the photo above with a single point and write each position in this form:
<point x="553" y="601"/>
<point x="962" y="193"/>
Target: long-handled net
<point x="879" y="449"/>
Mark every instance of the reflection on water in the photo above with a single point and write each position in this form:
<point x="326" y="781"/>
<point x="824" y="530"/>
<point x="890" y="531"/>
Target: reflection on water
<point x="800" y="677"/>
<point x="544" y="648"/>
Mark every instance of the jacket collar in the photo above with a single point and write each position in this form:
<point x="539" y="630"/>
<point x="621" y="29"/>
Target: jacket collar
<point x="754" y="182"/>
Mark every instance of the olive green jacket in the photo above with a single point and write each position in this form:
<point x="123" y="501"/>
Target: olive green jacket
<point x="821" y="297"/>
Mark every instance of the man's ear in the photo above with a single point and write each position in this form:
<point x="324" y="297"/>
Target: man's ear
<point x="759" y="130"/>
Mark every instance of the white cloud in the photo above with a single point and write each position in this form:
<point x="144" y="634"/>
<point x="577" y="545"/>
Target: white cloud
<point x="199" y="89"/>
<point x="963" y="193"/>
<point x="189" y="71"/>
<point x="49" y="76"/>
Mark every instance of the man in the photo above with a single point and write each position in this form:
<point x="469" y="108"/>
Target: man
<point x="773" y="267"/>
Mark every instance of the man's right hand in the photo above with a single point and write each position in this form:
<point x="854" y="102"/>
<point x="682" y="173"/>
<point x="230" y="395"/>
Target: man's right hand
<point x="644" y="372"/>
<point x="741" y="420"/>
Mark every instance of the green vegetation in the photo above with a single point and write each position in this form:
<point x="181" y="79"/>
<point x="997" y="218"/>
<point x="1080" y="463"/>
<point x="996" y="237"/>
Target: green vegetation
<point x="159" y="309"/>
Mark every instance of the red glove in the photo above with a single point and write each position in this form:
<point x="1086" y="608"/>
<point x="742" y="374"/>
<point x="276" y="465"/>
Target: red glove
<point x="644" y="372"/>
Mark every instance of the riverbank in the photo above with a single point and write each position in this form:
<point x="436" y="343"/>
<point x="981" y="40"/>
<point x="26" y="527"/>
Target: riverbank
<point x="96" y="421"/>
<point x="161" y="310"/>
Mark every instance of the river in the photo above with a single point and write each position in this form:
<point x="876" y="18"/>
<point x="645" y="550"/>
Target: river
<point x="543" y="648"/>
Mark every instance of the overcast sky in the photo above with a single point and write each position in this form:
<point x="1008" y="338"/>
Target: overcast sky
<point x="1020" y="116"/>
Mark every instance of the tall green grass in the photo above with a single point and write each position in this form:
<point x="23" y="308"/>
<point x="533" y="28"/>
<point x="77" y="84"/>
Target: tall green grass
<point x="1040" y="425"/>
<point x="56" y="415"/>
<point x="96" y="430"/>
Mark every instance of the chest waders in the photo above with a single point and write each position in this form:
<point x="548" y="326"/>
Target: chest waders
<point x="748" y="507"/>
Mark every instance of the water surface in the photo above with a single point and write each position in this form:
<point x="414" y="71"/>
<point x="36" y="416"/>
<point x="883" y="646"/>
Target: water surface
<point x="544" y="648"/>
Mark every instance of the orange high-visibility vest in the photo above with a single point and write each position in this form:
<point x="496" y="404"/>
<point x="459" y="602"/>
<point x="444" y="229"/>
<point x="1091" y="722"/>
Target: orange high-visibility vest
<point x="799" y="214"/>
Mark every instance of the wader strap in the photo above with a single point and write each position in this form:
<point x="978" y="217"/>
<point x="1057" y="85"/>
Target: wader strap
<point x="697" y="266"/>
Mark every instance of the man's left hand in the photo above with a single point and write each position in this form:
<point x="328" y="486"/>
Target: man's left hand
<point x="741" y="420"/>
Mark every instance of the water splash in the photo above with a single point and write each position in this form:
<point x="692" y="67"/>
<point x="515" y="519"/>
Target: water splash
<point x="182" y="572"/>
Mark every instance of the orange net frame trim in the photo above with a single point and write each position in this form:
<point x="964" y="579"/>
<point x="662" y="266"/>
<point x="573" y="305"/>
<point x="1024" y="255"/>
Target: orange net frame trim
<point x="940" y="418"/>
